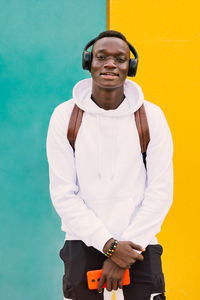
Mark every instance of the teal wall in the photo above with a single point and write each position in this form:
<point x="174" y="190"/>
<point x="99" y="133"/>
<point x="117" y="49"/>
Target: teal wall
<point x="40" y="60"/>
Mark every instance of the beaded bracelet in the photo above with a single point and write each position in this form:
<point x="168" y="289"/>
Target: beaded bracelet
<point x="112" y="248"/>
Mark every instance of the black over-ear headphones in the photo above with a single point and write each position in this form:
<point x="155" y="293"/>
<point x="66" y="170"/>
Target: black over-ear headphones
<point x="87" y="59"/>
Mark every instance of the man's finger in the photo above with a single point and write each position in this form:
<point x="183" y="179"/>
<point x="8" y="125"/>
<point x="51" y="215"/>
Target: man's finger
<point x="140" y="257"/>
<point x="137" y="247"/>
<point x="108" y="285"/>
<point x="101" y="283"/>
<point x="115" y="285"/>
<point x="120" y="284"/>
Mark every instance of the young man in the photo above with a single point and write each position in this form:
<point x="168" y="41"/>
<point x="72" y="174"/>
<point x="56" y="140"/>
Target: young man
<point x="102" y="189"/>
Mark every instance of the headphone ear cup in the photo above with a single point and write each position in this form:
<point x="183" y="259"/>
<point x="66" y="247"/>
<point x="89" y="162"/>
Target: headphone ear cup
<point x="133" y="63"/>
<point x="86" y="60"/>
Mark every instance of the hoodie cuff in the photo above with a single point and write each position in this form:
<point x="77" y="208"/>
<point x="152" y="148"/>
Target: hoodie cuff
<point x="99" y="240"/>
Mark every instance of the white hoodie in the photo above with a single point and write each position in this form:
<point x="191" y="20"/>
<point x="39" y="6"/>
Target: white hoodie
<point x="103" y="189"/>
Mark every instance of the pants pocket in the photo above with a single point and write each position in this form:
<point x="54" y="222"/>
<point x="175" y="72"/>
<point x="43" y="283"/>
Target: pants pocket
<point x="147" y="277"/>
<point x="78" y="259"/>
<point x="67" y="288"/>
<point x="158" y="281"/>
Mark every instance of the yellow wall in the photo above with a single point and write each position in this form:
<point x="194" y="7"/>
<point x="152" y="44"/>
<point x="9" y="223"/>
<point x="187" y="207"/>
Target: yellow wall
<point x="167" y="37"/>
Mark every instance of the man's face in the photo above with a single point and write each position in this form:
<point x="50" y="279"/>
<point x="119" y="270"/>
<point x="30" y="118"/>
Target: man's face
<point x="110" y="62"/>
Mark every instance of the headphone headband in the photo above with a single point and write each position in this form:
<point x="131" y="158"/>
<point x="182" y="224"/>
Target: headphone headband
<point x="87" y="58"/>
<point x="132" y="49"/>
<point x="89" y="44"/>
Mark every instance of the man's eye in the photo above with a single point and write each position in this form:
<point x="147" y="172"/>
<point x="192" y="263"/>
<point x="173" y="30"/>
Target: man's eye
<point x="100" y="57"/>
<point x="120" y="59"/>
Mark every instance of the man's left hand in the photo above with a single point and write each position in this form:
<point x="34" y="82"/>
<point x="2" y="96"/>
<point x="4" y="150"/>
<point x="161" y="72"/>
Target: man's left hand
<point x="112" y="274"/>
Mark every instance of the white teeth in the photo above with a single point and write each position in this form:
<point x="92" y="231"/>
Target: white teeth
<point x="109" y="74"/>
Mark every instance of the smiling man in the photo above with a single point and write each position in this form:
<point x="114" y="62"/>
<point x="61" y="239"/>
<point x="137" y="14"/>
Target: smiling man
<point x="110" y="183"/>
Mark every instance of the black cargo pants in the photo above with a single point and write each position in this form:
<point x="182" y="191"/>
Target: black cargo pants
<point x="146" y="277"/>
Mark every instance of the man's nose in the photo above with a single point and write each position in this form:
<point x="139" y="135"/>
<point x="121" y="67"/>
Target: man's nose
<point x="110" y="63"/>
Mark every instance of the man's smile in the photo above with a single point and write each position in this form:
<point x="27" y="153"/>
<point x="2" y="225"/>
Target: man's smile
<point x="109" y="75"/>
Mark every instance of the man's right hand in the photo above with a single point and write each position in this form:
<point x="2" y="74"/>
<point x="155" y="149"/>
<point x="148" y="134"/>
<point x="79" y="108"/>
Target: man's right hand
<point x="125" y="254"/>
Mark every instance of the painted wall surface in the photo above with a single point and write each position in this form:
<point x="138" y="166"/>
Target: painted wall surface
<point x="167" y="37"/>
<point x="41" y="43"/>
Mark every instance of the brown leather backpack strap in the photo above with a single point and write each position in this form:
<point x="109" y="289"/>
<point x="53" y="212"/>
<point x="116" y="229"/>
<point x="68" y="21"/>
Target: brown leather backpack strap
<point x="142" y="127"/>
<point x="140" y="119"/>
<point x="74" y="125"/>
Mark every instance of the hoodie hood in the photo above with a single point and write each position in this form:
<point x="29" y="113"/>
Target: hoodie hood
<point x="133" y="99"/>
<point x="107" y="131"/>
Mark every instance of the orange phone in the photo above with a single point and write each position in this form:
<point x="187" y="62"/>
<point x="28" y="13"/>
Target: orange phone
<point x="94" y="276"/>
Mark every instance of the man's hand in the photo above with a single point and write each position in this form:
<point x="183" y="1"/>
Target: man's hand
<point x="112" y="274"/>
<point x="125" y="254"/>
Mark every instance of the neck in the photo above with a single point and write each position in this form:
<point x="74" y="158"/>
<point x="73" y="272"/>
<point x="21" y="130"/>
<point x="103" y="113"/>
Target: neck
<point x="109" y="98"/>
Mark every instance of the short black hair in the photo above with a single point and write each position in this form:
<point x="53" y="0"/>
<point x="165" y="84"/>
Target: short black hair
<point x="110" y="33"/>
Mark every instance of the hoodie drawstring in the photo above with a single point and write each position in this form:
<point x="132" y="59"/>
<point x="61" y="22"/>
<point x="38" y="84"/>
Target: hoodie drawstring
<point x="114" y="147"/>
<point x="99" y="145"/>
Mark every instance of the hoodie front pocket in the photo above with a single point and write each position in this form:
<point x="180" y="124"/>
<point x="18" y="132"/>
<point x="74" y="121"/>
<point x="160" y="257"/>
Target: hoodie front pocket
<point x="115" y="213"/>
